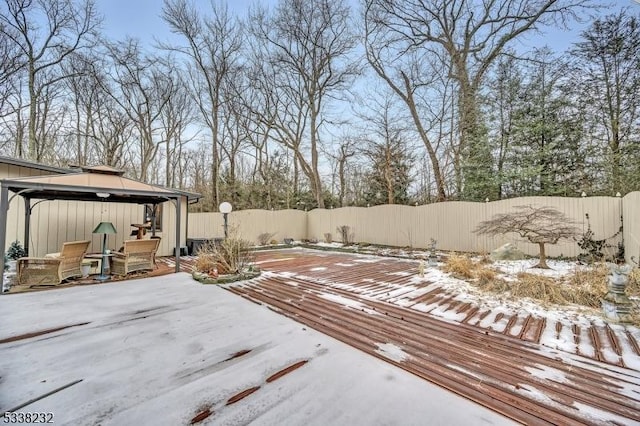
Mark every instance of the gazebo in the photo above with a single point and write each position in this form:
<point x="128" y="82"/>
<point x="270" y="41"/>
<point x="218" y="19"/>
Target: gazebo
<point x="99" y="183"/>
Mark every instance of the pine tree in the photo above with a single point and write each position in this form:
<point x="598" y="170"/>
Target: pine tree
<point x="389" y="178"/>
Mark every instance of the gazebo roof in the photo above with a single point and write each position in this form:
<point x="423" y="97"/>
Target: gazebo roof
<point x="93" y="185"/>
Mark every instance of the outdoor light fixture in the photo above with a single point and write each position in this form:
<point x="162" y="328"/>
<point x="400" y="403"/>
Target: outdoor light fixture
<point x="103" y="194"/>
<point x="104" y="228"/>
<point x="584" y="194"/>
<point x="225" y="208"/>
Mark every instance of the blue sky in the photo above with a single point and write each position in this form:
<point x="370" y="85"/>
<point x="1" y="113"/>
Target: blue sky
<point x="141" y="19"/>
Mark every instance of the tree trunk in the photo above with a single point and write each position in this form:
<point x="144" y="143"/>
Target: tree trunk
<point x="32" y="147"/>
<point x="542" y="263"/>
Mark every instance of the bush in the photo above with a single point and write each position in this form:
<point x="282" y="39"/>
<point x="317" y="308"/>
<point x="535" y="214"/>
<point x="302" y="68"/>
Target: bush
<point x="263" y="239"/>
<point x="16" y="251"/>
<point x="346" y="236"/>
<point x="232" y="256"/>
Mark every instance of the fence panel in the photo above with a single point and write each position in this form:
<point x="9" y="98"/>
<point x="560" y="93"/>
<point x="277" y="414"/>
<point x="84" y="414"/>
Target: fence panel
<point x="451" y="224"/>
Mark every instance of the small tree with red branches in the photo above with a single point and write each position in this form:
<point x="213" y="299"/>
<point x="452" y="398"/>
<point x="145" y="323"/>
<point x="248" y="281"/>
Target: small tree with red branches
<point x="539" y="225"/>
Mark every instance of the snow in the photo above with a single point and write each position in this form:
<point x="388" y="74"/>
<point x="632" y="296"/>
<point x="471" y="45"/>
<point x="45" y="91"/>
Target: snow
<point x="156" y="351"/>
<point x="559" y="268"/>
<point x="547" y="373"/>
<point x="600" y="416"/>
<point x="329" y="245"/>
<point x="391" y="351"/>
<point x="282" y="259"/>
<point x="343" y="300"/>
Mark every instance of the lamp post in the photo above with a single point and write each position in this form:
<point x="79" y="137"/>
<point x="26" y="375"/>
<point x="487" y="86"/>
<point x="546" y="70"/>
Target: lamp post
<point x="225" y="208"/>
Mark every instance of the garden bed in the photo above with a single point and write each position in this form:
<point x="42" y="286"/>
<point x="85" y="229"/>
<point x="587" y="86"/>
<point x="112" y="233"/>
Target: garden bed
<point x="224" y="279"/>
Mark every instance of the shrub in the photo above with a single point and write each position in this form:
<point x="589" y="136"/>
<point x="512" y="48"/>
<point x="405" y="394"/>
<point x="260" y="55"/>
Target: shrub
<point x="263" y="239"/>
<point x="346" y="236"/>
<point x="232" y="256"/>
<point x="16" y="251"/>
<point x="273" y="242"/>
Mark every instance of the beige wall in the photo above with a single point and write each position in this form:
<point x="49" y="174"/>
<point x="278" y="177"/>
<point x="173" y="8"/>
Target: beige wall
<point x="250" y="224"/>
<point x="54" y="222"/>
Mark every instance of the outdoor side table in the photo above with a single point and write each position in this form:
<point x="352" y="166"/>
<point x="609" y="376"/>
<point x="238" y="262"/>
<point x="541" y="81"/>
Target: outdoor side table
<point x="104" y="258"/>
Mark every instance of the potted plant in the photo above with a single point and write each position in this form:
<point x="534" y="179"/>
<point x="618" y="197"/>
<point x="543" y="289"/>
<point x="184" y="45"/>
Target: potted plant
<point x="15" y="252"/>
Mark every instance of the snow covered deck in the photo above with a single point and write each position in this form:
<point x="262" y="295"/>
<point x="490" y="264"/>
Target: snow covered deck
<point x="167" y="350"/>
<point x="522" y="364"/>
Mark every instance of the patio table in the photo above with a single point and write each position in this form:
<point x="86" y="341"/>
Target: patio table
<point x="142" y="227"/>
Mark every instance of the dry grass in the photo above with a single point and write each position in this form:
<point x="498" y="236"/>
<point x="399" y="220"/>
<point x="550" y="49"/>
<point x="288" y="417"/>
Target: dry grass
<point x="231" y="256"/>
<point x="485" y="276"/>
<point x="633" y="289"/>
<point x="582" y="287"/>
<point x="205" y="263"/>
<point x="461" y="267"/>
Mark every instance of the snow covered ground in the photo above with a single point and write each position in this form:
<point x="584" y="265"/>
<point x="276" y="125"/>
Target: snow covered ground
<point x="160" y="351"/>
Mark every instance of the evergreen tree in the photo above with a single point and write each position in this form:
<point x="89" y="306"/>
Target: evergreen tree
<point x="607" y="72"/>
<point x="538" y="147"/>
<point x="389" y="176"/>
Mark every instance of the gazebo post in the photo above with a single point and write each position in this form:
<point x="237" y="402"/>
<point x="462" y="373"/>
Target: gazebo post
<point x="154" y="211"/>
<point x="27" y="223"/>
<point x="178" y="211"/>
<point x="4" y="210"/>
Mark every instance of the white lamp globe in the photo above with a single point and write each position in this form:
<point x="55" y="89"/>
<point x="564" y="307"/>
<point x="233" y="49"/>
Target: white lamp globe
<point x="225" y="207"/>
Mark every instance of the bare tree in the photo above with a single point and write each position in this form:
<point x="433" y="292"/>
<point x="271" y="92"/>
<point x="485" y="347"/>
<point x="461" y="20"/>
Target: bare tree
<point x="67" y="29"/>
<point x="467" y="36"/>
<point x="345" y="151"/>
<point x="307" y="45"/>
<point x="144" y="85"/>
<point x="407" y="79"/>
<point x="212" y="47"/>
<point x="539" y="225"/>
<point x="175" y="118"/>
<point x="10" y="64"/>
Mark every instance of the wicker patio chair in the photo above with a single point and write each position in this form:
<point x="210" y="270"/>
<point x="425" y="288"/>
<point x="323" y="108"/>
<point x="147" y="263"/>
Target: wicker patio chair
<point x="136" y="255"/>
<point x="55" y="268"/>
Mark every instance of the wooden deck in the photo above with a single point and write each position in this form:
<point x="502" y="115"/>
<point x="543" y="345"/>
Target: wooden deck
<point x="492" y="358"/>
